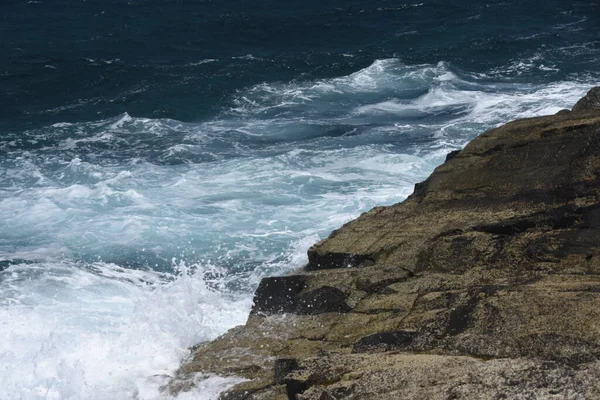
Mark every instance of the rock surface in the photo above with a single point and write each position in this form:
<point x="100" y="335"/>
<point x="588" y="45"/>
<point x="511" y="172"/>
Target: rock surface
<point x="483" y="284"/>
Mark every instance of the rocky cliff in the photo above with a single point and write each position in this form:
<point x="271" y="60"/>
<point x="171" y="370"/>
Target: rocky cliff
<point x="483" y="284"/>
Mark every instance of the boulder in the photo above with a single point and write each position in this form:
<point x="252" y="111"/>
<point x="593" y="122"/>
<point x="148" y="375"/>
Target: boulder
<point x="591" y="102"/>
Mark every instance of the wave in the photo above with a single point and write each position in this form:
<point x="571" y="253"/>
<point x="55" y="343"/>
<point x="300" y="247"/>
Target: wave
<point x="104" y="331"/>
<point x="272" y="114"/>
<point x="127" y="240"/>
<point x="130" y="188"/>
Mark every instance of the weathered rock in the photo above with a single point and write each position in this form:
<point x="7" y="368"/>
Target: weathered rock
<point x="591" y="102"/>
<point x="384" y="341"/>
<point x="283" y="367"/>
<point x="485" y="283"/>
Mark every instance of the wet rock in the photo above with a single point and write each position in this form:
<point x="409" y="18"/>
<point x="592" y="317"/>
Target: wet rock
<point x="325" y="299"/>
<point x="295" y="387"/>
<point x="277" y="295"/>
<point x="235" y="395"/>
<point x="318" y="261"/>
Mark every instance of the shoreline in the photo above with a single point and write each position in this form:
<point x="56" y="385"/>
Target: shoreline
<point x="483" y="283"/>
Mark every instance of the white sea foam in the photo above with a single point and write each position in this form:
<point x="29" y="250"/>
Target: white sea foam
<point x="101" y="332"/>
<point x="98" y="208"/>
<point x="201" y="62"/>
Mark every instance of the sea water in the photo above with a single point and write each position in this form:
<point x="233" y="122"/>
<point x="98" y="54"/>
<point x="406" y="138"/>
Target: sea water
<point x="158" y="158"/>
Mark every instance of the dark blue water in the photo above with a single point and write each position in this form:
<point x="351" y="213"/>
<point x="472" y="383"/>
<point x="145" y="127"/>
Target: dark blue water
<point x="86" y="60"/>
<point x="157" y="158"/>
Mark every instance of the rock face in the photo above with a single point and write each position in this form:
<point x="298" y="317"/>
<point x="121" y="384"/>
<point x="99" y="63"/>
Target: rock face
<point x="483" y="284"/>
<point x="590" y="102"/>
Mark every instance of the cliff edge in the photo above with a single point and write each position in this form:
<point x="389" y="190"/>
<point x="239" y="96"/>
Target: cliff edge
<point x="483" y="284"/>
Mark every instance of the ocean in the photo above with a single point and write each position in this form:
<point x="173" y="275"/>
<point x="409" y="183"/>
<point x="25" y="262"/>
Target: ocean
<point x="159" y="157"/>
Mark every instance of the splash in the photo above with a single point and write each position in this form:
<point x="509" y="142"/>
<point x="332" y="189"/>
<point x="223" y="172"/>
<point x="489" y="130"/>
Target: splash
<point x="127" y="240"/>
<point x="101" y="331"/>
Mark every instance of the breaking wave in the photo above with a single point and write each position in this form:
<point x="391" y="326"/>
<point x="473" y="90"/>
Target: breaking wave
<point x="127" y="240"/>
